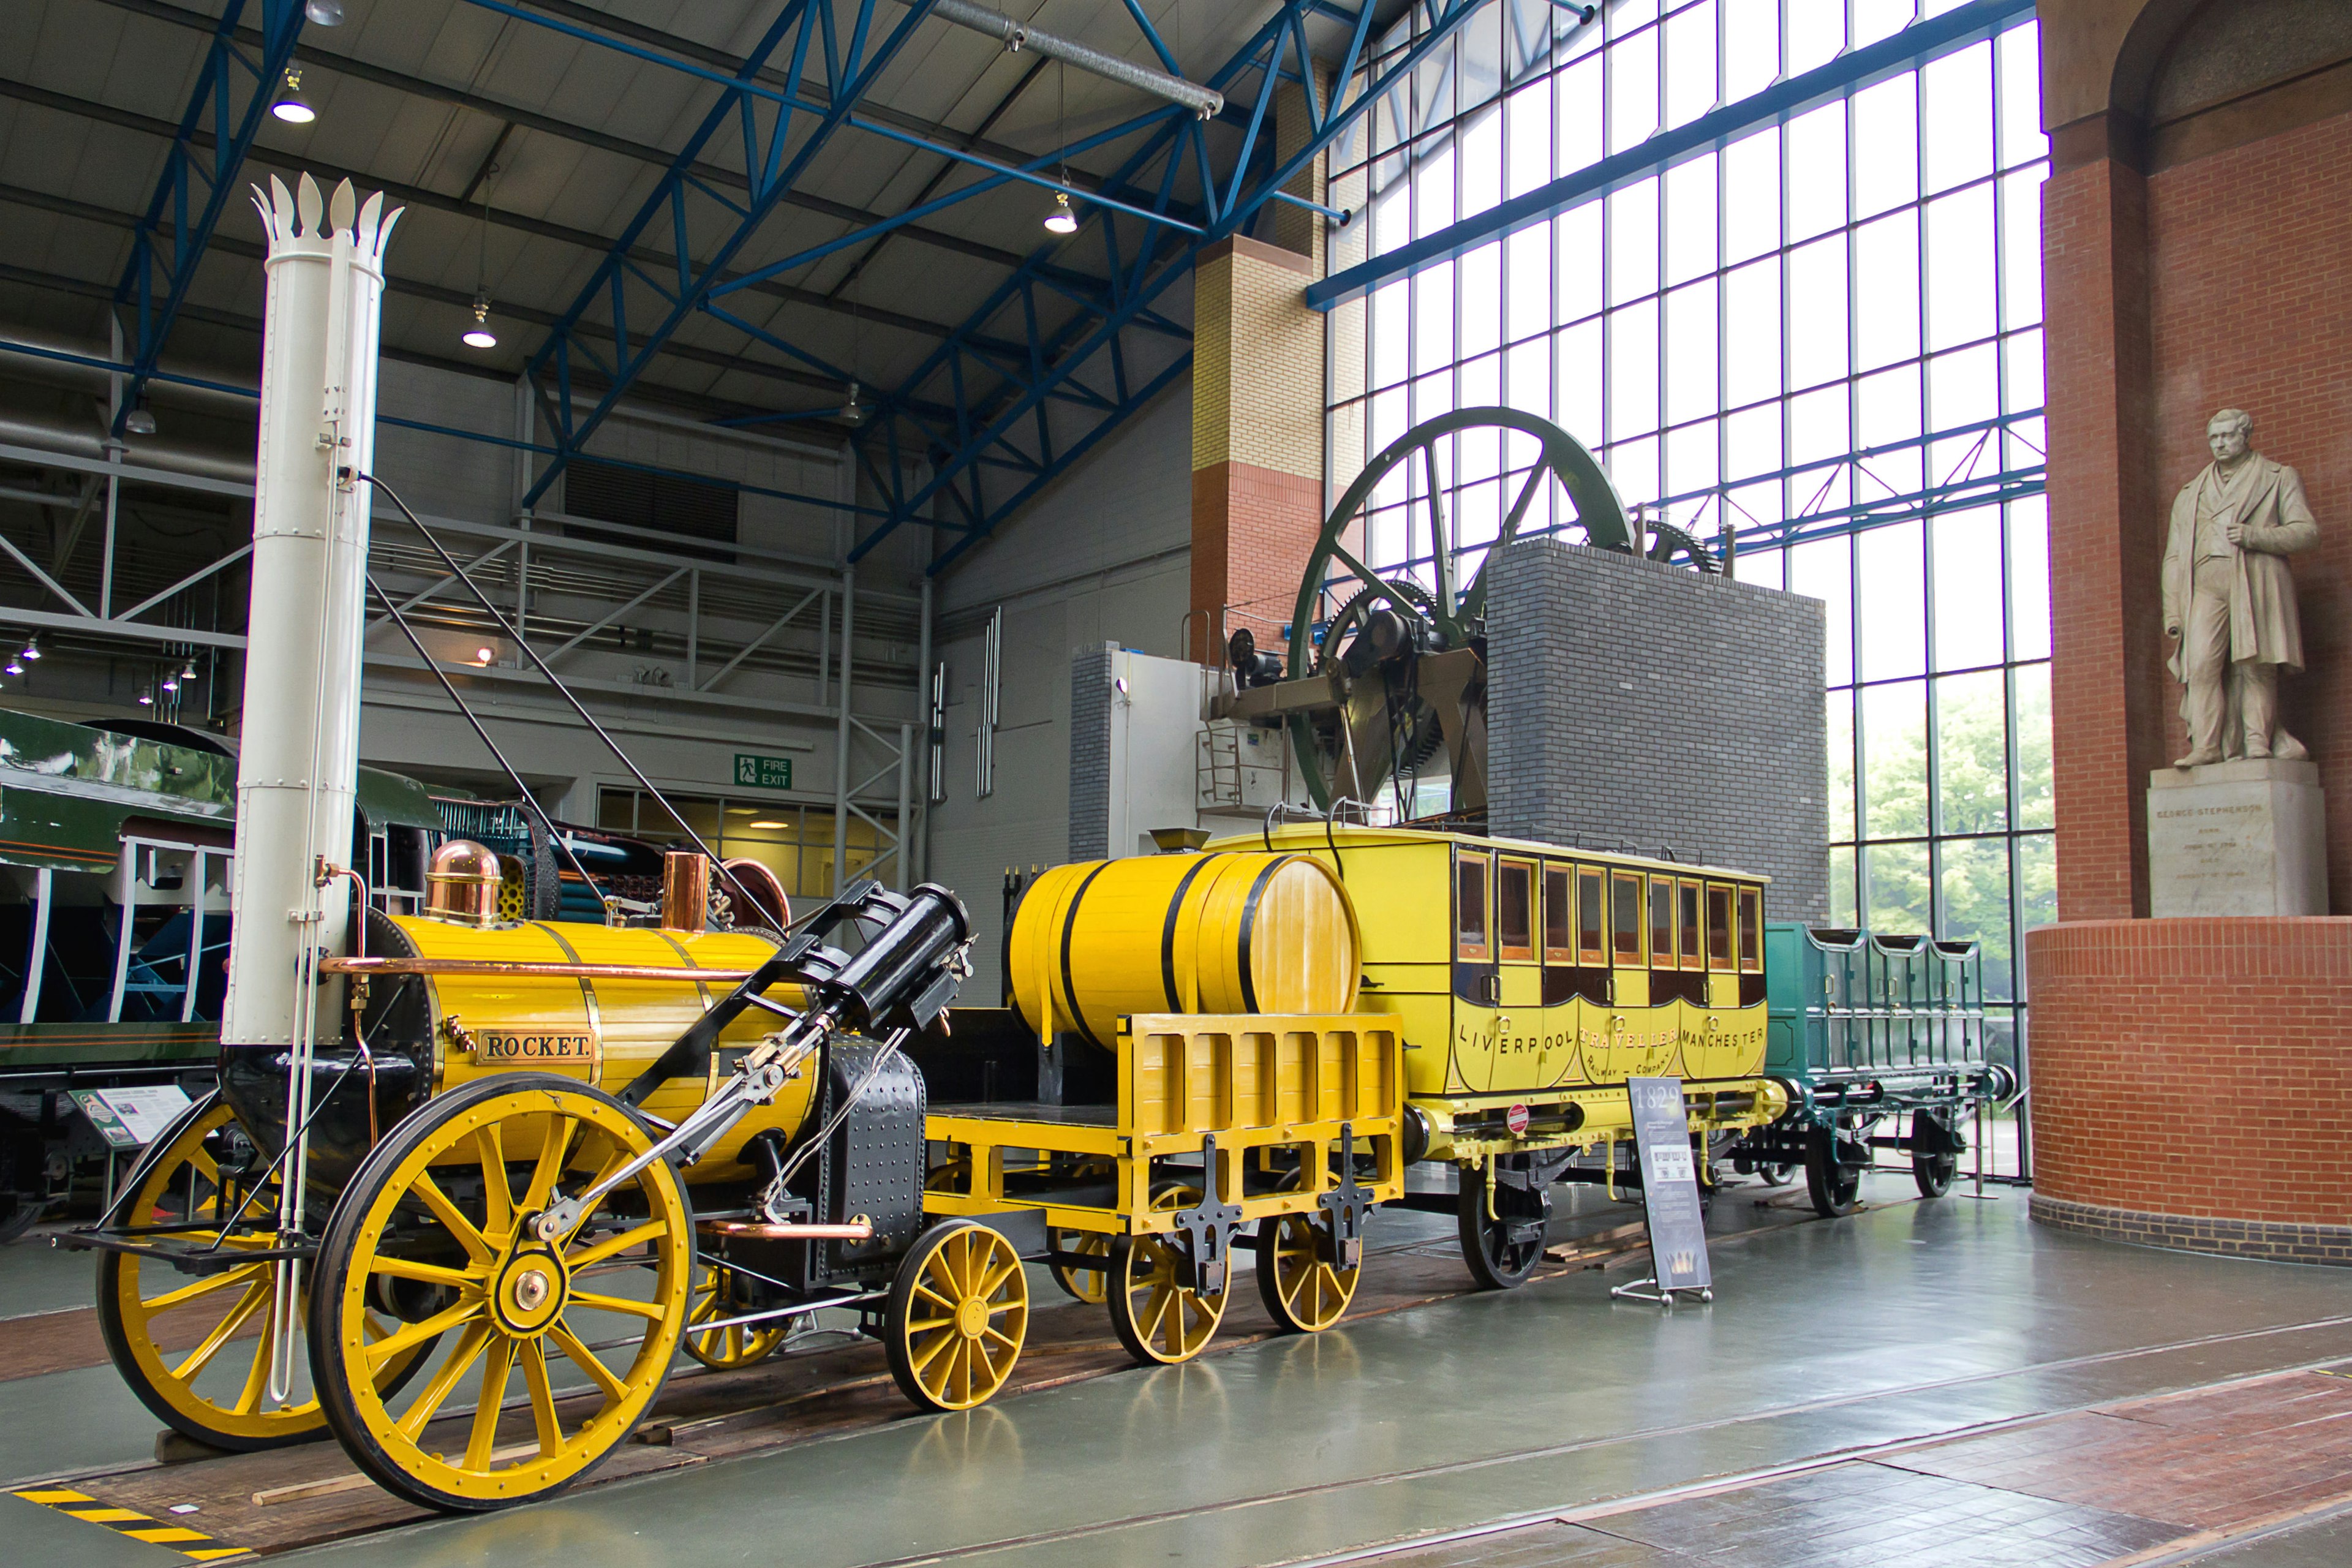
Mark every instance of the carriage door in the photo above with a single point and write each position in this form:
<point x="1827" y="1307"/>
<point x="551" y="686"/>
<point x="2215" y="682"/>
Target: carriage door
<point x="1474" y="978"/>
<point x="1519" y="981"/>
<point x="1629" y="959"/>
<point x="1571" y="1054"/>
<point x="1713" y="1052"/>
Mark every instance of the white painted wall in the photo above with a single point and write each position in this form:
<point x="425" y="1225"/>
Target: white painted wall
<point x="1103" y="555"/>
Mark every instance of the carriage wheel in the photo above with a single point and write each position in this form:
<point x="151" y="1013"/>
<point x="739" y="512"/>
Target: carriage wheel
<point x="1497" y="1260"/>
<point x="214" y="1386"/>
<point x="1160" y="1320"/>
<point x="1932" y="1174"/>
<point x="1303" y="1294"/>
<point x="743" y="1344"/>
<point x="1776" y="1175"/>
<point x="958" y="1311"/>
<point x="1836" y="1188"/>
<point x="437" y="1204"/>
<point x="1091" y="1286"/>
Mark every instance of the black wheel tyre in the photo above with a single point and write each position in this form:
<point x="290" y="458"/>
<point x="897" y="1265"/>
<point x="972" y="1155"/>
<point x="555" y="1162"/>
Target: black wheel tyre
<point x="1836" y="1188"/>
<point x="1932" y="1173"/>
<point x="1496" y="1261"/>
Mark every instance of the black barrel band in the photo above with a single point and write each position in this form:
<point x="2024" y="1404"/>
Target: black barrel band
<point x="1249" y="919"/>
<point x="1167" y="933"/>
<point x="1069" y="928"/>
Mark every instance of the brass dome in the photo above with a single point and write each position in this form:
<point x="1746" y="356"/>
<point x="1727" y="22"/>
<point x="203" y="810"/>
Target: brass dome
<point x="462" y="883"/>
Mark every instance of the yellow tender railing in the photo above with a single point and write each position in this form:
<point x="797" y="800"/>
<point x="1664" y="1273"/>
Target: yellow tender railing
<point x="1252" y="1081"/>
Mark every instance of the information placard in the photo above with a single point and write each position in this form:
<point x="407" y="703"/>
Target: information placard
<point x="131" y="1118"/>
<point x="1669" y="1186"/>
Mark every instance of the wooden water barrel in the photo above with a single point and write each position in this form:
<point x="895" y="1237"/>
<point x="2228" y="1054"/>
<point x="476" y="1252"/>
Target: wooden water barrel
<point x="1230" y="932"/>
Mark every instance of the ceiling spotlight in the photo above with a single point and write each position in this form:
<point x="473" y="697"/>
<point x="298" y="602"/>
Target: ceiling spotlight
<point x="479" y="336"/>
<point x="1061" y="220"/>
<point x="188" y="670"/>
<point x="767" y="822"/>
<point x="289" y="105"/>
<point x="325" y="13"/>
<point x="486" y="656"/>
<point x="16" y="666"/>
<point x="146" y="697"/>
<point x="854" y="412"/>
<point x="32" y="648"/>
<point x="140" y="420"/>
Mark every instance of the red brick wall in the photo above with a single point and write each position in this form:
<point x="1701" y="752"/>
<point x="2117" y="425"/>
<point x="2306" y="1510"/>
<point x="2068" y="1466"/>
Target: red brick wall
<point x="2251" y="306"/>
<point x="2195" y="1067"/>
<point x="1253" y="530"/>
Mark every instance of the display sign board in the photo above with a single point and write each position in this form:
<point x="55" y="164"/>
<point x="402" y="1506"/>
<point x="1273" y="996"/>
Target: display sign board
<point x="755" y="772"/>
<point x="131" y="1118"/>
<point x="1669" y="1184"/>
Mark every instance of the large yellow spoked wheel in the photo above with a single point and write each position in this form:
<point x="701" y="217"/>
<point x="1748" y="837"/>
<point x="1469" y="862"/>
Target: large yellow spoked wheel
<point x="958" y="1311"/>
<point x="446" y="1203"/>
<point x="1159" y="1319"/>
<point x="213" y="1383"/>
<point x="1091" y="1286"/>
<point x="740" y="1344"/>
<point x="1303" y="1293"/>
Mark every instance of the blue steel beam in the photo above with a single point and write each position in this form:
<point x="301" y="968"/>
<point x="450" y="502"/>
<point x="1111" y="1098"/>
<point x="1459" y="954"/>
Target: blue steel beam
<point x="1229" y="199"/>
<point x="849" y="68"/>
<point x="233" y="94"/>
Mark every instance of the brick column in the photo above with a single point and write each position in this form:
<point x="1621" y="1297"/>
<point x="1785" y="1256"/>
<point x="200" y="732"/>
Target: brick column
<point x="2107" y="526"/>
<point x="1257" y="440"/>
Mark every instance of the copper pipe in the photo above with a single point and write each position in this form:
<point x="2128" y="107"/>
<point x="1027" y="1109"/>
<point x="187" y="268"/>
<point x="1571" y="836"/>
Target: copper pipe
<point x="853" y="1231"/>
<point x="327" y="872"/>
<point x="685" y="891"/>
<point x="530" y="971"/>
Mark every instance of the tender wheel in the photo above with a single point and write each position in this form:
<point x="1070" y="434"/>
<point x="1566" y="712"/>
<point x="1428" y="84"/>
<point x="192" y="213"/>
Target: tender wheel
<point x="1776" y="1175"/>
<point x="1932" y="1173"/>
<point x="743" y="1344"/>
<point x="1091" y="1286"/>
<point x="1836" y="1188"/>
<point x="437" y="1204"/>
<point x="958" y="1311"/>
<point x="214" y="1384"/>
<point x="1303" y="1294"/>
<point x="1158" y="1319"/>
<point x="1502" y="1252"/>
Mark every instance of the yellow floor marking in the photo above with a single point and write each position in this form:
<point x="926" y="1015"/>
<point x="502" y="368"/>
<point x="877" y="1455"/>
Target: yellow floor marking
<point x="193" y="1544"/>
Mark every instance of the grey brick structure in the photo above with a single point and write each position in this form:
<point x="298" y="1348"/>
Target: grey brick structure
<point x="1631" y="699"/>
<point x="2279" y="1240"/>
<point x="1090" y="678"/>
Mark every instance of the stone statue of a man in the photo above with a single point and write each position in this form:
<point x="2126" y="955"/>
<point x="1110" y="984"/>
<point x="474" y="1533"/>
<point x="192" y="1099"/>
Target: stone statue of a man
<point x="2229" y="596"/>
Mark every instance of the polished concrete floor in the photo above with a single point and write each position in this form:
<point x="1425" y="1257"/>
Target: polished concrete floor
<point x="1906" y="1322"/>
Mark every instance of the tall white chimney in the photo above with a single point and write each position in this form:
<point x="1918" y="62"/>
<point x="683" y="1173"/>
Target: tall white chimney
<point x="297" y="764"/>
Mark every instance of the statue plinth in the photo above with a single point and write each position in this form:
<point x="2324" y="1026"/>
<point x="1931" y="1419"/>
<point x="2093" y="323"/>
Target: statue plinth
<point x="2246" y="837"/>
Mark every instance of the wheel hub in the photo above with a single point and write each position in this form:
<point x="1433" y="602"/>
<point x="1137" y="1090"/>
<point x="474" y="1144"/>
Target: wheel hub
<point x="531" y="1290"/>
<point x="971" y="1318"/>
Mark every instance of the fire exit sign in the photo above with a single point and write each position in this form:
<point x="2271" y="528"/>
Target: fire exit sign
<point x="762" y="772"/>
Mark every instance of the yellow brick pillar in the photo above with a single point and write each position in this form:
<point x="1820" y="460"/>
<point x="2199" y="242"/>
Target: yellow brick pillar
<point x="1257" y="416"/>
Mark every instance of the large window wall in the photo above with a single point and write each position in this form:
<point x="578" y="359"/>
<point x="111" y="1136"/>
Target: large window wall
<point x="1822" y="335"/>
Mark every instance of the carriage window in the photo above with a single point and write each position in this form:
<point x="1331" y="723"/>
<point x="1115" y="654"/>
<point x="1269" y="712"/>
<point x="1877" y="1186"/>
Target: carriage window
<point x="1591" y="927"/>
<point x="1559" y="946"/>
<point x="1751" y="929"/>
<point x="1662" y="921"/>
<point x="1694" y="956"/>
<point x="1718" y="926"/>
<point x="1626" y="916"/>
<point x="1513" y="892"/>
<point x="1470" y="908"/>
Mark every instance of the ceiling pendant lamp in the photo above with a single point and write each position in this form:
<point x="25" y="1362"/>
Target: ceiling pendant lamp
<point x="479" y="335"/>
<point x="1060" y="219"/>
<point x="854" y="412"/>
<point x="289" y="105"/>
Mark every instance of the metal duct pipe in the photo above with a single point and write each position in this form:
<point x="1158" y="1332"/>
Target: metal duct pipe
<point x="27" y="356"/>
<point x="75" y="441"/>
<point x="1206" y="102"/>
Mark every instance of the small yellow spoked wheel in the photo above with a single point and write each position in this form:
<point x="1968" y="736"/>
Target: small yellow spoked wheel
<point x="959" y="1312"/>
<point x="213" y="1384"/>
<point x="742" y="1345"/>
<point x="1303" y="1294"/>
<point x="1091" y="1286"/>
<point x="1159" y="1320"/>
<point x="438" y="1206"/>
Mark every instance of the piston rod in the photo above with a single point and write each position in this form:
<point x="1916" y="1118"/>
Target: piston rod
<point x="1205" y="101"/>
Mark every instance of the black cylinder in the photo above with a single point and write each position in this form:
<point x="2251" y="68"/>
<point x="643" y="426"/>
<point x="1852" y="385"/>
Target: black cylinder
<point x="902" y="959"/>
